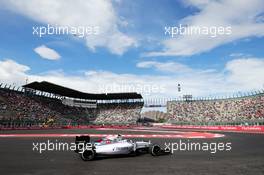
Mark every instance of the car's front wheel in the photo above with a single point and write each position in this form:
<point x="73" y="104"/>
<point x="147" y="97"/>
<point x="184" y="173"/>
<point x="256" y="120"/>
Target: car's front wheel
<point x="155" y="150"/>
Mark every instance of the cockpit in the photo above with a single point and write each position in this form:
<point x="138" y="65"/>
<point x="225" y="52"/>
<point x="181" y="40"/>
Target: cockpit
<point x="109" y="139"/>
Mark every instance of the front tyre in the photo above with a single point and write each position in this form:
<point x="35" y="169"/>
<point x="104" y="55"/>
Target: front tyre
<point x="155" y="150"/>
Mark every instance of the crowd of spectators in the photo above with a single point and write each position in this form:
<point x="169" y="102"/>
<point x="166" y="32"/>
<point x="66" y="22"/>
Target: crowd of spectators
<point x="224" y="110"/>
<point x="16" y="106"/>
<point x="155" y="115"/>
<point x="30" y="108"/>
<point x="20" y="108"/>
<point x="119" y="113"/>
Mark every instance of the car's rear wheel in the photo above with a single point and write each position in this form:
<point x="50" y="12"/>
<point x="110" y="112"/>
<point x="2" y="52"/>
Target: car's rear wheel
<point x="88" y="155"/>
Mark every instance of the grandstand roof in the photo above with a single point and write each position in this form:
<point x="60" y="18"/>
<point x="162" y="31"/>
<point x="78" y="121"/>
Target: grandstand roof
<point x="67" y="92"/>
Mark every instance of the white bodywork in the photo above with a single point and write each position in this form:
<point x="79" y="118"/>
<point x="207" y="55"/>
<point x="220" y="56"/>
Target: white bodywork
<point x="115" y="145"/>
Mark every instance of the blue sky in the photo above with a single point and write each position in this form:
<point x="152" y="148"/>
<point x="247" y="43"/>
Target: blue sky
<point x="133" y="51"/>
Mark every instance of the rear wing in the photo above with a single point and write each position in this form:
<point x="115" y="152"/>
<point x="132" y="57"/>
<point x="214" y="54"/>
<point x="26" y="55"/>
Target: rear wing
<point x="79" y="139"/>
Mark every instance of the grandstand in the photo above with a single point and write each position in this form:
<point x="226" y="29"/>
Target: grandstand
<point x="40" y="103"/>
<point x="155" y="115"/>
<point x="243" y="109"/>
<point x="36" y="103"/>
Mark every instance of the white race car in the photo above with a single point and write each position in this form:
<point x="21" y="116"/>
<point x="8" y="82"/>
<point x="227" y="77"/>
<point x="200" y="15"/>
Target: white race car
<point x="114" y="145"/>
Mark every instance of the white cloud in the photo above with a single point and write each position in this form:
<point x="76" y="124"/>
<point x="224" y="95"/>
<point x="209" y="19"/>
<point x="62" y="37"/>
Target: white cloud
<point x="47" y="53"/>
<point x="246" y="72"/>
<point x="76" y="13"/>
<point x="197" y="3"/>
<point x="242" y="16"/>
<point x="12" y="72"/>
<point x="165" y="67"/>
<point x="238" y="75"/>
<point x="240" y="55"/>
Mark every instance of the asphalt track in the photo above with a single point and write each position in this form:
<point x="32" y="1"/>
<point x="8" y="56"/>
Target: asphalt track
<point x="245" y="157"/>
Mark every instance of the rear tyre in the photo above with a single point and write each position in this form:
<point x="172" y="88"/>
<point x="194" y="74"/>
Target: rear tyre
<point x="87" y="155"/>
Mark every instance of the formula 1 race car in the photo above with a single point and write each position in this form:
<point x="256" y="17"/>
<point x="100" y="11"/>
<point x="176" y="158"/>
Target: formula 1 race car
<point x="113" y="146"/>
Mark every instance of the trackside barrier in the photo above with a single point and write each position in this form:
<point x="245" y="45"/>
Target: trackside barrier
<point x="247" y="129"/>
<point x="29" y="128"/>
<point x="219" y="128"/>
<point x="97" y="126"/>
<point x="68" y="127"/>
